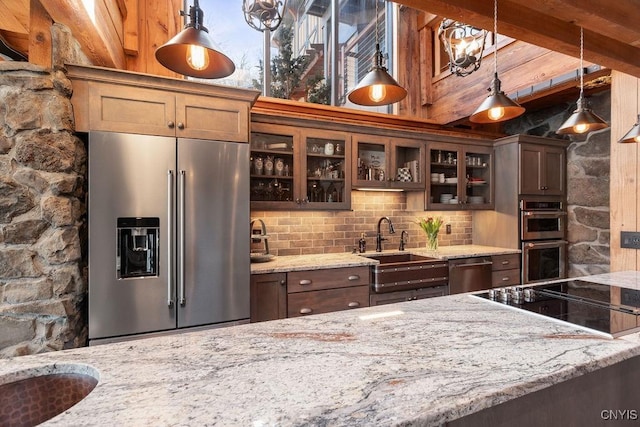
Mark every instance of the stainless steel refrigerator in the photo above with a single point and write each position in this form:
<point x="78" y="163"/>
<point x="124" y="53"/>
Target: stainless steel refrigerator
<point x="168" y="246"/>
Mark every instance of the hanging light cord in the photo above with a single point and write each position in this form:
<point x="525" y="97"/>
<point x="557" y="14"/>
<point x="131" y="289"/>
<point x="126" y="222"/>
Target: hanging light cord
<point x="376" y="24"/>
<point x="495" y="37"/>
<point x="581" y="59"/>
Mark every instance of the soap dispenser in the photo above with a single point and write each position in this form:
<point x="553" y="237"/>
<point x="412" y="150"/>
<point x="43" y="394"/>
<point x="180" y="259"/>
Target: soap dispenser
<point x="362" y="244"/>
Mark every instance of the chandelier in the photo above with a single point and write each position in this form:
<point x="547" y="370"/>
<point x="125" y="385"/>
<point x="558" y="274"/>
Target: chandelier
<point x="464" y="45"/>
<point x="263" y="14"/>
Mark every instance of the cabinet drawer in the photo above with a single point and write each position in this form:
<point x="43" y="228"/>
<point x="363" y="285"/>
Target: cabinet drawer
<point x="505" y="262"/>
<point x="505" y="278"/>
<point x="327" y="300"/>
<point x="302" y="281"/>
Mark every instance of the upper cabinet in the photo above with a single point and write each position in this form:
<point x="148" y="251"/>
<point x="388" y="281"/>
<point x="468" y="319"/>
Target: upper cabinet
<point x="381" y="162"/>
<point x="298" y="168"/>
<point x="116" y="101"/>
<point x="542" y="170"/>
<point x="460" y="176"/>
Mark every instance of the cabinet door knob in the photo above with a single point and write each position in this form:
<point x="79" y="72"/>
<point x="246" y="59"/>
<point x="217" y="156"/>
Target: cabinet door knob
<point x="306" y="311"/>
<point x="170" y="125"/>
<point x="354" y="277"/>
<point x="180" y="125"/>
<point x="305" y="282"/>
<point x="354" y="304"/>
<point x="283" y="282"/>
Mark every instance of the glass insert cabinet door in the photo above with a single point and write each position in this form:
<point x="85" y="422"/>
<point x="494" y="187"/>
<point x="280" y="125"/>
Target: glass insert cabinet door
<point x="326" y="170"/>
<point x="272" y="164"/>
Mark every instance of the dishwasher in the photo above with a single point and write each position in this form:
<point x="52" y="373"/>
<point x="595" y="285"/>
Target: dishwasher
<point x="469" y="274"/>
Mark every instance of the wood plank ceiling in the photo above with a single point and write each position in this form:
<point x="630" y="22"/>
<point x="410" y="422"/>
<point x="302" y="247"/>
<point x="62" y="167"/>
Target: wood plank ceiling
<point x="612" y="33"/>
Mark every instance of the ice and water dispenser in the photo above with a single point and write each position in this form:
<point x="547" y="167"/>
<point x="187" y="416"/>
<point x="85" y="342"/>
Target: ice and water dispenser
<point x="137" y="249"/>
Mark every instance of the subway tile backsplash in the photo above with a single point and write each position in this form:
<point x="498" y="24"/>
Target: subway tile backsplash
<point x="299" y="232"/>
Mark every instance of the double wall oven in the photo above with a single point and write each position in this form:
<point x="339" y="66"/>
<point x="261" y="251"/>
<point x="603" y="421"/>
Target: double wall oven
<point x="543" y="229"/>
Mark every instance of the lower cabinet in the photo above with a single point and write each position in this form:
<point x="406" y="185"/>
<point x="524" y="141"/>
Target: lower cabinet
<point x="299" y="293"/>
<point x="414" y="294"/>
<point x="322" y="291"/>
<point x="506" y="270"/>
<point x="268" y="296"/>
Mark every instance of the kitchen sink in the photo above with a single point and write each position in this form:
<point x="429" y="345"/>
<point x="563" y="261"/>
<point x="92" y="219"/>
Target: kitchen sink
<point x="401" y="272"/>
<point x="30" y="397"/>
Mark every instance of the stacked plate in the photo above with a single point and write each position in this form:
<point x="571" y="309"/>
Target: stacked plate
<point x="476" y="200"/>
<point x="451" y="180"/>
<point x="446" y="198"/>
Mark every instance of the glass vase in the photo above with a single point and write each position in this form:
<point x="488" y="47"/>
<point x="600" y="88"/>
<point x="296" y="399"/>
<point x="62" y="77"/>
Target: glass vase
<point x="432" y="241"/>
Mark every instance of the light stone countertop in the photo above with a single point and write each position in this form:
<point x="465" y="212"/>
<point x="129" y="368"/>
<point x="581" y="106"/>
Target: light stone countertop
<point x="321" y="261"/>
<point x="421" y="362"/>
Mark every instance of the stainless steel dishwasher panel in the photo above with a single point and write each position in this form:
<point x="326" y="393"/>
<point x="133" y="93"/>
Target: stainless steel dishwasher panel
<point x="469" y="274"/>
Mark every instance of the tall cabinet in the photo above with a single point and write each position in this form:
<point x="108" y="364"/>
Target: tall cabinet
<point x="526" y="167"/>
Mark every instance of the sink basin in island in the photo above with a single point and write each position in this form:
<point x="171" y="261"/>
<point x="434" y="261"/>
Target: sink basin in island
<point x="28" y="398"/>
<point x="401" y="272"/>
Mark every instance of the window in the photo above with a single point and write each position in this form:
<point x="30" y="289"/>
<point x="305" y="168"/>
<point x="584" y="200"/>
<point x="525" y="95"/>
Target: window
<point x="303" y="50"/>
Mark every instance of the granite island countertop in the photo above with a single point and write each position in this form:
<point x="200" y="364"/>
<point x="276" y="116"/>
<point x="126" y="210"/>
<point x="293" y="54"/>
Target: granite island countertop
<point x="287" y="263"/>
<point x="422" y="362"/>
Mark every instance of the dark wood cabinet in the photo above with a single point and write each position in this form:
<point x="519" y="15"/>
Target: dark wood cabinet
<point x="268" y="296"/>
<point x="542" y="170"/>
<point x="505" y="270"/>
<point x="299" y="168"/>
<point x="322" y="291"/>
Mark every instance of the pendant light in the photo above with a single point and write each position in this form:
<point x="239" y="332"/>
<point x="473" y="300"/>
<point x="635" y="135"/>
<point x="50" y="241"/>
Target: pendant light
<point x="633" y="135"/>
<point x="582" y="120"/>
<point x="191" y="51"/>
<point x="464" y="45"/>
<point x="497" y="107"/>
<point x="263" y="14"/>
<point x="377" y="87"/>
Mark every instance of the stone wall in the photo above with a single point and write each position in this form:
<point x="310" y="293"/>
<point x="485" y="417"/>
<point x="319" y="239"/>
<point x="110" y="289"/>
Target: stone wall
<point x="588" y="160"/>
<point x="42" y="213"/>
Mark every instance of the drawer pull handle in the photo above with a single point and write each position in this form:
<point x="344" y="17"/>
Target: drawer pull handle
<point x="505" y="262"/>
<point x="354" y="277"/>
<point x="305" y="282"/>
<point x="505" y="279"/>
<point x="306" y="311"/>
<point x="354" y="304"/>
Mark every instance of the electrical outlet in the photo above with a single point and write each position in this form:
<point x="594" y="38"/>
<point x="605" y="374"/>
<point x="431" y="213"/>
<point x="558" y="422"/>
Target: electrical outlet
<point x="630" y="239"/>
<point x="448" y="228"/>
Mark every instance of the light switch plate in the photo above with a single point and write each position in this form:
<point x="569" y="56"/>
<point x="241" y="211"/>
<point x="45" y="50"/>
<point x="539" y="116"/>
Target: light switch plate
<point x="630" y="239"/>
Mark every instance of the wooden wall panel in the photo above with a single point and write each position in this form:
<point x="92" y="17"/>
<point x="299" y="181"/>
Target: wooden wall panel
<point x="157" y="23"/>
<point x="625" y="173"/>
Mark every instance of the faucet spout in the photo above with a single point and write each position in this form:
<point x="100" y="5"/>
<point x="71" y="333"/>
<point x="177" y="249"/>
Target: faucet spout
<point x="402" y="240"/>
<point x="379" y="237"/>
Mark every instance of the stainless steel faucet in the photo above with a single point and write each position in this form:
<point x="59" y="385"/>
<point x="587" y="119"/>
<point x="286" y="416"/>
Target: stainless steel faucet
<point x="379" y="237"/>
<point x="402" y="241"/>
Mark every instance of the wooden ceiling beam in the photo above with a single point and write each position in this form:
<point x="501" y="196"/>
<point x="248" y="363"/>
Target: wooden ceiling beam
<point x="97" y="35"/>
<point x="538" y="28"/>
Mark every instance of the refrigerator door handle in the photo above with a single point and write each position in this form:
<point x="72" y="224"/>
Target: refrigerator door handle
<point x="170" y="238"/>
<point x="181" y="202"/>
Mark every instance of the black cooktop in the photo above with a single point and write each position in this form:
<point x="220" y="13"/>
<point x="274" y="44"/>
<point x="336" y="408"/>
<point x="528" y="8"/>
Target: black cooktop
<point x="612" y="310"/>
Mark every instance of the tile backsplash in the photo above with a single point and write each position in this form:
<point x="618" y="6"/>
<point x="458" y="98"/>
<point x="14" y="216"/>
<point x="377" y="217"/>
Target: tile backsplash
<point x="299" y="232"/>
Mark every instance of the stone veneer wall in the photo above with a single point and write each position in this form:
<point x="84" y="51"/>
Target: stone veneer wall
<point x="300" y="232"/>
<point x="42" y="213"/>
<point x="588" y="161"/>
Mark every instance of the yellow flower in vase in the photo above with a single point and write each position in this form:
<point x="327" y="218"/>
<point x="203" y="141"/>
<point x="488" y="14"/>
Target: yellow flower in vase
<point x="431" y="227"/>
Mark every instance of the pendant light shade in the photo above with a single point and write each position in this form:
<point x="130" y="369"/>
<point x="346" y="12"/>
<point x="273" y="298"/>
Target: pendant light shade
<point x="633" y="135"/>
<point x="583" y="120"/>
<point x="498" y="107"/>
<point x="191" y="51"/>
<point x="377" y="87"/>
